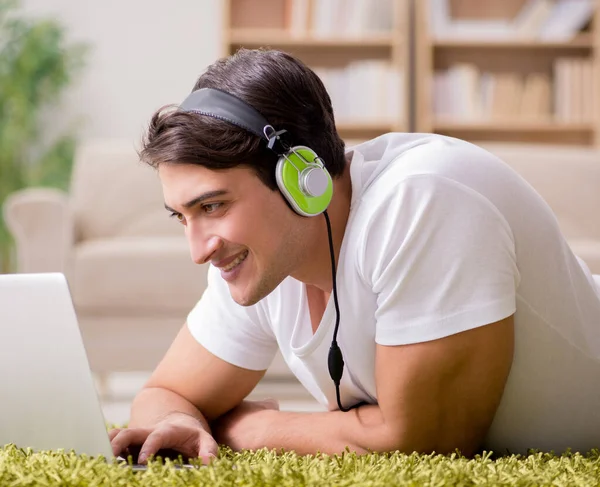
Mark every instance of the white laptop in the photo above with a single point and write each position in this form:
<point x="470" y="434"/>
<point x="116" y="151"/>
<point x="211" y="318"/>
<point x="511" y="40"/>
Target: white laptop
<point x="49" y="400"/>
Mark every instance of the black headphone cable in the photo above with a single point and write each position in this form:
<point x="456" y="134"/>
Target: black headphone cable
<point x="335" y="360"/>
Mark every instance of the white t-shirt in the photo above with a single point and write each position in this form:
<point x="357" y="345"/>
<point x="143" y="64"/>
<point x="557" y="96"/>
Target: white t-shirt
<point x="442" y="237"/>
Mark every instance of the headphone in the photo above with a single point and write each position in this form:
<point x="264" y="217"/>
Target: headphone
<point x="301" y="177"/>
<point x="301" y="174"/>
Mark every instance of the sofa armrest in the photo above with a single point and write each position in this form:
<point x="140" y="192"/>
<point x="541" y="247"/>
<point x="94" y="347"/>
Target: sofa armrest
<point x="41" y="224"/>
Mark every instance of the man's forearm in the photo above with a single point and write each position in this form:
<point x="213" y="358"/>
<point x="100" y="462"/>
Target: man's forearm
<point x="360" y="430"/>
<point x="153" y="404"/>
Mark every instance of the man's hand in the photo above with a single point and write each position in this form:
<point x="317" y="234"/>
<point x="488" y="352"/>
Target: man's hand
<point x="240" y="428"/>
<point x="180" y="432"/>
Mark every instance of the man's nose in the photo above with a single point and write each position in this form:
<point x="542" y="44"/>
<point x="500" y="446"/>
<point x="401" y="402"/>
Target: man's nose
<point x="202" y="246"/>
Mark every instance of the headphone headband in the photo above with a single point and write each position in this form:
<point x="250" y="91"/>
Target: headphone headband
<point x="300" y="173"/>
<point x="225" y="106"/>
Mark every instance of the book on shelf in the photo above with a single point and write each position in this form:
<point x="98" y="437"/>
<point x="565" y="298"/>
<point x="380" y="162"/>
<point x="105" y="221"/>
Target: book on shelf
<point x="443" y="26"/>
<point x="464" y="94"/>
<point x="574" y="90"/>
<point x="566" y="19"/>
<point x="338" y="18"/>
<point x="365" y="92"/>
<point x="531" y="17"/>
<point x="541" y="20"/>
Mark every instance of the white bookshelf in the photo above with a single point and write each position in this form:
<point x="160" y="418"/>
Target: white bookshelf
<point x="359" y="48"/>
<point x="508" y="70"/>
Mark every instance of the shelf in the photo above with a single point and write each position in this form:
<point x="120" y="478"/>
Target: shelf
<point x="582" y="41"/>
<point x="512" y="126"/>
<point x="490" y="68"/>
<point x="283" y="38"/>
<point x="373" y="60"/>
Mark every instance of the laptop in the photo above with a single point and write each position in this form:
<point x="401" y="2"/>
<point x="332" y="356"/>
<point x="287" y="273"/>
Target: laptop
<point x="49" y="400"/>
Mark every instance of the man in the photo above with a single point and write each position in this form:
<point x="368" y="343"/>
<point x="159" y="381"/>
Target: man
<point x="463" y="318"/>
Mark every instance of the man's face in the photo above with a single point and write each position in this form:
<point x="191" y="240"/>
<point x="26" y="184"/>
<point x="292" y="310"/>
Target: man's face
<point x="236" y="223"/>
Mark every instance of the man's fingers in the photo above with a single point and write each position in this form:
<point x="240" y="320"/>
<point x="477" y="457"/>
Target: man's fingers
<point x="209" y="449"/>
<point x="168" y="438"/>
<point x="207" y="458"/>
<point x="127" y="437"/>
<point x="153" y="443"/>
<point x="112" y="433"/>
<point x="188" y="443"/>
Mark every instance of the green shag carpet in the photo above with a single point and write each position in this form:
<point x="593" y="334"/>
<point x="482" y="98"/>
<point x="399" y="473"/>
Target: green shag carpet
<point x="19" y="467"/>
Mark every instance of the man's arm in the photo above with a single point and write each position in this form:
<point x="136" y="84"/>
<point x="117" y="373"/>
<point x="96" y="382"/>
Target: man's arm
<point x="432" y="396"/>
<point x="192" y="380"/>
<point x="188" y="389"/>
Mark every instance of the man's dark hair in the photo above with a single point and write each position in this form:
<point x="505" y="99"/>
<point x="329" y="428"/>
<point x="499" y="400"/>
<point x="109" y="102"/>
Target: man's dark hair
<point x="281" y="87"/>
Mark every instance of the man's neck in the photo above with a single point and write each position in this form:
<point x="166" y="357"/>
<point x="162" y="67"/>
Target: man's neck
<point x="317" y="272"/>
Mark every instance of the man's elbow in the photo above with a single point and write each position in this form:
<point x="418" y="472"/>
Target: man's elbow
<point x="407" y="440"/>
<point x="386" y="438"/>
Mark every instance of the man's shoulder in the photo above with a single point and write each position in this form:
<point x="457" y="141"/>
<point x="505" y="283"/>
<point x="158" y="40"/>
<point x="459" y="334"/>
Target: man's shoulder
<point x="387" y="163"/>
<point x="404" y="155"/>
<point x="421" y="183"/>
<point x="393" y="144"/>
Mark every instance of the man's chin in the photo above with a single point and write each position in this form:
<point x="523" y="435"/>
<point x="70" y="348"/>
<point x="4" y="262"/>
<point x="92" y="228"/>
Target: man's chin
<point x="249" y="296"/>
<point x="243" y="299"/>
<point x="246" y="302"/>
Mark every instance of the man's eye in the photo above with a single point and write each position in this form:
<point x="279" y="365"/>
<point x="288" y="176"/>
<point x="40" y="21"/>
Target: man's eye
<point x="177" y="216"/>
<point x="211" y="207"/>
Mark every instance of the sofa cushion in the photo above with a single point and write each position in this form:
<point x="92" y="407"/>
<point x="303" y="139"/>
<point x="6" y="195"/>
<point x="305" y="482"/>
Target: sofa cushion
<point x="136" y="276"/>
<point x="113" y="194"/>
<point x="566" y="177"/>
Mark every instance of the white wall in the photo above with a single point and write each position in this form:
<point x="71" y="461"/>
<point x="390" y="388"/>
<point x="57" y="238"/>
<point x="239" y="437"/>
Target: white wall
<point x="144" y="54"/>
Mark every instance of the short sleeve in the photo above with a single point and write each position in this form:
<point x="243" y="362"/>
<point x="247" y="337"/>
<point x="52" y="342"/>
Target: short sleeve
<point x="237" y="334"/>
<point x="441" y="260"/>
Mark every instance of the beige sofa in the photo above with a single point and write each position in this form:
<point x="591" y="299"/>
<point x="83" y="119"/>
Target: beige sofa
<point x="568" y="178"/>
<point x="129" y="268"/>
<point x="127" y="264"/>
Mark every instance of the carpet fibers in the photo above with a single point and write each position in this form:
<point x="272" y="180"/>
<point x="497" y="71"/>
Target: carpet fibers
<point x="19" y="467"/>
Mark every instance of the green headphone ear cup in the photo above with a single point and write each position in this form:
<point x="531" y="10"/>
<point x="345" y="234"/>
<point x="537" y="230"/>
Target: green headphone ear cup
<point x="288" y="180"/>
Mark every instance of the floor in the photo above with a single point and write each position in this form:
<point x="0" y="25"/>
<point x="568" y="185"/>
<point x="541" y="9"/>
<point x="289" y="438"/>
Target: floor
<point x="121" y="388"/>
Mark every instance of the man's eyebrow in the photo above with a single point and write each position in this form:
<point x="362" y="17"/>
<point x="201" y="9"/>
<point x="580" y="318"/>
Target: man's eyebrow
<point x="199" y="199"/>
